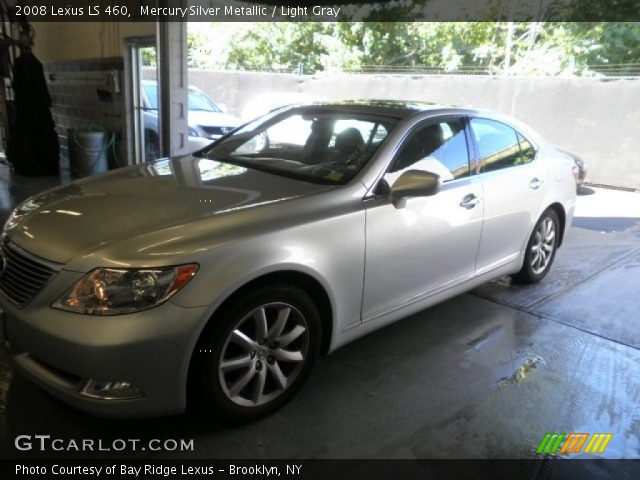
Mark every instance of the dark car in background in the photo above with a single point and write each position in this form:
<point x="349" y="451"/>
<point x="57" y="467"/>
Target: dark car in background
<point x="207" y="119"/>
<point x="581" y="167"/>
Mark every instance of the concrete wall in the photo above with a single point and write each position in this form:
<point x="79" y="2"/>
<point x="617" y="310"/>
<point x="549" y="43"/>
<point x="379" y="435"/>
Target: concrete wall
<point x="597" y="119"/>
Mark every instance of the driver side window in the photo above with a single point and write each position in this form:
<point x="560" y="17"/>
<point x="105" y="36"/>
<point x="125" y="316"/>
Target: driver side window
<point x="438" y="147"/>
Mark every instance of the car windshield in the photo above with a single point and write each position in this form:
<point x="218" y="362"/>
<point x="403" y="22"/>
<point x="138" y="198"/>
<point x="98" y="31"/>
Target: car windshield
<point x="151" y="91"/>
<point x="199" y="101"/>
<point x="316" y="146"/>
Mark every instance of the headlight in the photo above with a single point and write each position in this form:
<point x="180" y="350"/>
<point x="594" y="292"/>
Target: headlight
<point x="12" y="221"/>
<point x="18" y="213"/>
<point x="109" y="291"/>
<point x="193" y="132"/>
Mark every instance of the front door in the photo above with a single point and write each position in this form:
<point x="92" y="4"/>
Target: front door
<point x="431" y="242"/>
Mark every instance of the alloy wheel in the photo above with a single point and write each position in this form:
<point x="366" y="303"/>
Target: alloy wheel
<point x="151" y="149"/>
<point x="544" y="243"/>
<point x="263" y="354"/>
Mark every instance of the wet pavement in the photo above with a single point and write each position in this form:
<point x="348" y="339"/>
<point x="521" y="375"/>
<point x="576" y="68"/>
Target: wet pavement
<point x="484" y="375"/>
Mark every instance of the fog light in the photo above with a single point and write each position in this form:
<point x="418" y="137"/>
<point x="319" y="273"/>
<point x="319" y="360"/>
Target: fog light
<point x="110" y="390"/>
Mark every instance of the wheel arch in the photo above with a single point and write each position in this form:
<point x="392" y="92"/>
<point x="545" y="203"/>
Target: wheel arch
<point x="305" y="281"/>
<point x="310" y="284"/>
<point x="562" y="216"/>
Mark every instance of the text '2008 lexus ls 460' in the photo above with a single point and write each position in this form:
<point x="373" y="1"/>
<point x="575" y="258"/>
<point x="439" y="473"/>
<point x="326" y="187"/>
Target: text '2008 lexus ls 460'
<point x="229" y="271"/>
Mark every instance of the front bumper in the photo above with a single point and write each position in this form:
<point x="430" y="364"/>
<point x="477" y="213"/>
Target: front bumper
<point x="60" y="350"/>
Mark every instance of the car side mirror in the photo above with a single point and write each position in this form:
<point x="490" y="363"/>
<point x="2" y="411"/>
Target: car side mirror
<point x="414" y="183"/>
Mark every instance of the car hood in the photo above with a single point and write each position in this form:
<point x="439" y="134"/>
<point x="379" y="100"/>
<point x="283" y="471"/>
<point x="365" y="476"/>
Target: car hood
<point x="95" y="212"/>
<point x="212" y="119"/>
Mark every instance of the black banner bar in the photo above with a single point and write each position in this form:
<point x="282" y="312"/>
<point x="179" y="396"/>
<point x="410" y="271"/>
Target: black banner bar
<point x="327" y="10"/>
<point x="322" y="469"/>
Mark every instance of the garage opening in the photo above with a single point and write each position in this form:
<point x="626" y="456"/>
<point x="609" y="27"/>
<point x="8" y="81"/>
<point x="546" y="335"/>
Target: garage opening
<point x="145" y="100"/>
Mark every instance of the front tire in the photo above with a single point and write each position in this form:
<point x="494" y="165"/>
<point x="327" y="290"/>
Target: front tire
<point x="151" y="146"/>
<point x="259" y="352"/>
<point x="541" y="249"/>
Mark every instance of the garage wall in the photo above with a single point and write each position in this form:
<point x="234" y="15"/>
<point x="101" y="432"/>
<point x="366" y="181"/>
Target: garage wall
<point x="74" y="86"/>
<point x="57" y="41"/>
<point x="596" y="119"/>
<point x="78" y="62"/>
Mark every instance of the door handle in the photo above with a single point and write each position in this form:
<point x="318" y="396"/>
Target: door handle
<point x="535" y="183"/>
<point x="469" y="201"/>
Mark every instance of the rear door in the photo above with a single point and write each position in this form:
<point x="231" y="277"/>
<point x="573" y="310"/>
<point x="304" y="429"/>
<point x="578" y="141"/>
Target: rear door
<point x="513" y="183"/>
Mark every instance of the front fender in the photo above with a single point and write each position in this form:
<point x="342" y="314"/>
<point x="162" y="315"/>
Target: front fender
<point x="334" y="260"/>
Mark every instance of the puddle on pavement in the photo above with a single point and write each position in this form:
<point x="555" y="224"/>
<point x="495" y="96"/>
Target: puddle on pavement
<point x="522" y="372"/>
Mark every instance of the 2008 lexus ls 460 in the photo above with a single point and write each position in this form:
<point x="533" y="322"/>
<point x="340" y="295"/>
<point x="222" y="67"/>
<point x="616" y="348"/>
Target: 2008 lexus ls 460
<point x="228" y="272"/>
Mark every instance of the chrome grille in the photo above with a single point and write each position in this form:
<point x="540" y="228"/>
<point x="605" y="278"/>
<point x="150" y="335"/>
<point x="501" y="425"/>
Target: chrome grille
<point x="22" y="277"/>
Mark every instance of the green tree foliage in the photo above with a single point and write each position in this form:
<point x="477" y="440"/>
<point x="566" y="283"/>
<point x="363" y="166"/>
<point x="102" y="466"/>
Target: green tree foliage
<point x="535" y="48"/>
<point x="281" y="45"/>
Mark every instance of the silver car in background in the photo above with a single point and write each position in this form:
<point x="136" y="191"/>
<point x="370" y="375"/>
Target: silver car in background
<point x="207" y="120"/>
<point x="580" y="169"/>
<point x="227" y="273"/>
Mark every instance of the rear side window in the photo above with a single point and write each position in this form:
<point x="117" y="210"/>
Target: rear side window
<point x="499" y="145"/>
<point x="526" y="149"/>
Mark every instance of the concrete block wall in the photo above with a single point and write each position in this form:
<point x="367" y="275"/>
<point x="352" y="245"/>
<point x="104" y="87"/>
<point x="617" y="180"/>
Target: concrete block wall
<point x="74" y="86"/>
<point x="80" y="56"/>
<point x="598" y="119"/>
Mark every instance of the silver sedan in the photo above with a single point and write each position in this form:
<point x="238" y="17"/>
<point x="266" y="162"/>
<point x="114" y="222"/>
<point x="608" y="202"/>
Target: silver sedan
<point x="226" y="273"/>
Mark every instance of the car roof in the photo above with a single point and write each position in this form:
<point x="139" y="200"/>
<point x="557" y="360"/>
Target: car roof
<point x="389" y="108"/>
<point x="151" y="81"/>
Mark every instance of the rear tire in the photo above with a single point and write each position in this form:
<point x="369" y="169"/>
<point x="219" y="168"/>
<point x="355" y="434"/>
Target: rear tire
<point x="541" y="249"/>
<point x="258" y="353"/>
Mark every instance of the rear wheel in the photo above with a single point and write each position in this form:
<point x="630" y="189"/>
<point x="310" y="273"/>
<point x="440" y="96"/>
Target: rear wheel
<point x="259" y="352"/>
<point x="541" y="249"/>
